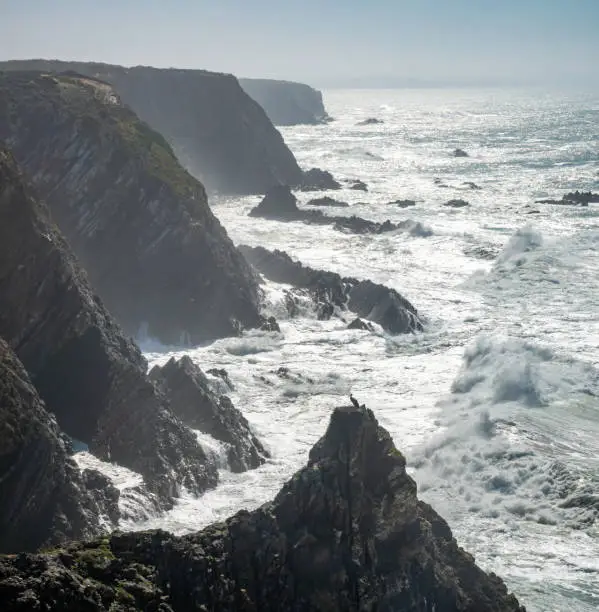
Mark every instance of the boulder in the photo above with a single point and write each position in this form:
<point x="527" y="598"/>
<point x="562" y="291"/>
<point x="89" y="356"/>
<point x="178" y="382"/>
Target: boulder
<point x="370" y="121"/>
<point x="457" y="203"/>
<point x="138" y="222"/>
<point x="357" y="225"/>
<point x="270" y="324"/>
<point x="194" y="402"/>
<point x="329" y="291"/>
<point x="459" y="153"/>
<point x="316" y="179"/>
<point x="90" y="376"/>
<point x="358" y="185"/>
<point x="358" y="323"/>
<point x="347" y="533"/>
<point x="218" y="132"/>
<point x="403" y="203"/>
<point x="45" y="498"/>
<point x="327" y="201"/>
<point x="278" y="203"/>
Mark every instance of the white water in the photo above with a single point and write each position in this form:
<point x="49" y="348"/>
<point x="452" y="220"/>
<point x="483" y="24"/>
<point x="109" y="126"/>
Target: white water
<point x="496" y="404"/>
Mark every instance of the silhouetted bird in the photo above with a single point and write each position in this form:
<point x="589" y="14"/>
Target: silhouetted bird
<point x="354" y="401"/>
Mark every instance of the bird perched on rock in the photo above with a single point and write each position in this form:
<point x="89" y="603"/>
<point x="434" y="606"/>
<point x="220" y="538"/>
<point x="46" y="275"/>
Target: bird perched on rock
<point x="354" y="401"/>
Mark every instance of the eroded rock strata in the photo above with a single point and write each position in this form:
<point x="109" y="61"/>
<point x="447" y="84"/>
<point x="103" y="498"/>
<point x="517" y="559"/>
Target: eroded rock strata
<point x="198" y="406"/>
<point x="90" y="376"/>
<point x="137" y="221"/>
<point x="346" y="533"/>
<point x="368" y="300"/>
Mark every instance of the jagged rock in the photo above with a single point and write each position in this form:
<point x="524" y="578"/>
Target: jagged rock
<point x="223" y="375"/>
<point x="329" y="290"/>
<point x="279" y="203"/>
<point x="403" y="203"/>
<point x="575" y="198"/>
<point x="218" y="132"/>
<point x="370" y="121"/>
<point x="286" y="102"/>
<point x="316" y="179"/>
<point x="358" y="323"/>
<point x="459" y="153"/>
<point x="137" y="221"/>
<point x="87" y="372"/>
<point x="347" y="533"/>
<point x="327" y="201"/>
<point x="194" y="402"/>
<point x="270" y="324"/>
<point x="45" y="499"/>
<point x="457" y="203"/>
<point x="359" y="185"/>
<point x="471" y="185"/>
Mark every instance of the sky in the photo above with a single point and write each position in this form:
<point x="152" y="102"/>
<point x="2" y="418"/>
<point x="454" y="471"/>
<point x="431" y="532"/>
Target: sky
<point x="321" y="42"/>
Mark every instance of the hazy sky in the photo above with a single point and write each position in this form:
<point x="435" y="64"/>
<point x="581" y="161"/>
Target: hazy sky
<point x="317" y="40"/>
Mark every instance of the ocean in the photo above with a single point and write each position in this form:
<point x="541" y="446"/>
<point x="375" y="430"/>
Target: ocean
<point x="496" y="403"/>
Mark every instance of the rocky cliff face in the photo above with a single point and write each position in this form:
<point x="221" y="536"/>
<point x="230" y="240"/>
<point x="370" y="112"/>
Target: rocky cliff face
<point x="220" y="134"/>
<point x="88" y="374"/>
<point x="346" y="533"/>
<point x="138" y="222"/>
<point x="44" y="497"/>
<point x="286" y="102"/>
<point x="199" y="407"/>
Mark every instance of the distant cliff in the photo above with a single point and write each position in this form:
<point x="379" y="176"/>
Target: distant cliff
<point x="347" y="533"/>
<point x="286" y="102"/>
<point x="138" y="222"/>
<point x="218" y="132"/>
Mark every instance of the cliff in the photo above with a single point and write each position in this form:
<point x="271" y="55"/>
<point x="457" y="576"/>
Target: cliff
<point x="89" y="375"/>
<point x="45" y="499"/>
<point x="346" y="533"/>
<point x="138" y="222"/>
<point x="220" y="134"/>
<point x="286" y="102"/>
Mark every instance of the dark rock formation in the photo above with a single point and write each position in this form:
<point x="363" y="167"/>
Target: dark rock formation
<point x="403" y="203"/>
<point x="459" y="153"/>
<point x="88" y="374"/>
<point x="575" y="198"/>
<point x="138" y="222"/>
<point x="194" y="402"/>
<point x="329" y="290"/>
<point x="316" y="179"/>
<point x="471" y="185"/>
<point x="346" y="534"/>
<point x="370" y="121"/>
<point x="223" y="375"/>
<point x="358" y="323"/>
<point x="457" y="203"/>
<point x="327" y="201"/>
<point x="279" y="203"/>
<point x="358" y="185"/>
<point x="270" y="324"/>
<point x="218" y="132"/>
<point x="45" y="499"/>
<point x="286" y="102"/>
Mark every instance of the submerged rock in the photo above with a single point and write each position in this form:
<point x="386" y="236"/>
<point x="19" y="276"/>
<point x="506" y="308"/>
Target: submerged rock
<point x="358" y="323"/>
<point x="327" y="201"/>
<point x="575" y="198"/>
<point x="403" y="203"/>
<point x="370" y="121"/>
<point x="329" y="290"/>
<point x="347" y="533"/>
<point x="194" y="402"/>
<point x="45" y="499"/>
<point x="358" y="185"/>
<point x="471" y="185"/>
<point x="457" y="203"/>
<point x="137" y="221"/>
<point x="87" y="372"/>
<point x="316" y="179"/>
<point x="459" y="153"/>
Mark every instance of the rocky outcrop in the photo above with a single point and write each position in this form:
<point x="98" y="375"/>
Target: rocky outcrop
<point x="194" y="402"/>
<point x="88" y="374"/>
<point x="327" y="202"/>
<point x="137" y="221"/>
<point x="457" y="203"/>
<point x="370" y="121"/>
<point x="280" y="204"/>
<point x="575" y="198"/>
<point x="358" y="323"/>
<point x="403" y="203"/>
<point x="346" y="534"/>
<point x="286" y="102"/>
<point x="358" y="185"/>
<point x="316" y="179"/>
<point x="329" y="291"/>
<point x="218" y="132"/>
<point x="459" y="153"/>
<point x="45" y="498"/>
